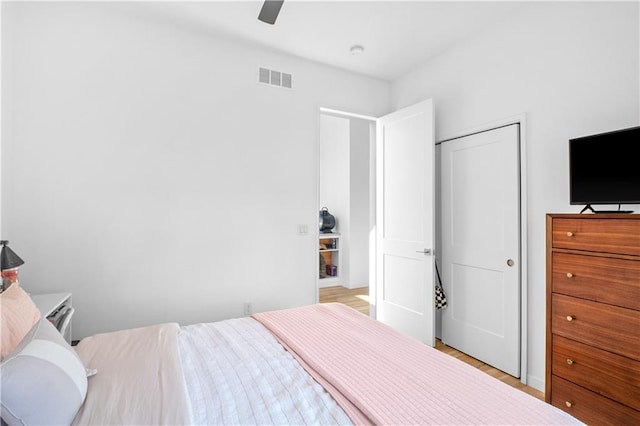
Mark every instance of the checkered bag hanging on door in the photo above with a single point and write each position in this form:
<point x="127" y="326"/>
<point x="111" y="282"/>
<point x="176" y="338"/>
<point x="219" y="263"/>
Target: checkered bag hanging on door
<point x="441" y="299"/>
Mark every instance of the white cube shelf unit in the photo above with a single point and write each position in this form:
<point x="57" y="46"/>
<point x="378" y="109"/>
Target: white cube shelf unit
<point x="329" y="251"/>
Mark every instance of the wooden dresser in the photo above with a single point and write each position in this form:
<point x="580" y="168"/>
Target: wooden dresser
<point x="593" y="317"/>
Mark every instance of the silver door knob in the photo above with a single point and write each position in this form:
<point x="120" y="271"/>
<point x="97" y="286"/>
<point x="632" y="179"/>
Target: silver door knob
<point x="424" y="251"/>
<point x="510" y="262"/>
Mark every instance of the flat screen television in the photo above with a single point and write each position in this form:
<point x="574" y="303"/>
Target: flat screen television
<point x="605" y="168"/>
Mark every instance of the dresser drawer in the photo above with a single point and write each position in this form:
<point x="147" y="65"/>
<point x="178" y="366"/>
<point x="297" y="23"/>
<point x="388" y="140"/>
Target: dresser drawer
<point x="590" y="407"/>
<point x="600" y="235"/>
<point x="597" y="324"/>
<point x="602" y="279"/>
<point x="603" y="372"/>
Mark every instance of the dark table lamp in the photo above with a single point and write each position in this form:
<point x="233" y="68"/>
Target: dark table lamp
<point x="9" y="263"/>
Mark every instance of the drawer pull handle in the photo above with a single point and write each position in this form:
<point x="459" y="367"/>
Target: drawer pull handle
<point x="569" y="404"/>
<point x="569" y="275"/>
<point x="569" y="361"/>
<point x="570" y="318"/>
<point x="569" y="234"/>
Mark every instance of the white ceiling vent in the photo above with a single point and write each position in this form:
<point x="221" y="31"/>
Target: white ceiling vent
<point x="275" y="78"/>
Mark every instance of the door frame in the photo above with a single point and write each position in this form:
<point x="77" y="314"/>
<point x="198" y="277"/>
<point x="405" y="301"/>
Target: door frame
<point x="521" y="120"/>
<point x="316" y="233"/>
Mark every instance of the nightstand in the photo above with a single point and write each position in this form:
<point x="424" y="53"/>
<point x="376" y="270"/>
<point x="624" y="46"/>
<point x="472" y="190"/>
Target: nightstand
<point x="58" y="309"/>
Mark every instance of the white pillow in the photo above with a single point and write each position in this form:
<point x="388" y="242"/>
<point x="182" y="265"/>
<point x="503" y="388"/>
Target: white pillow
<point x="43" y="381"/>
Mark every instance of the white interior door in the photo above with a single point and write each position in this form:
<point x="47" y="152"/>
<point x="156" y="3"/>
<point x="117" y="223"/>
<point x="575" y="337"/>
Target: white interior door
<point x="480" y="246"/>
<point x="405" y="221"/>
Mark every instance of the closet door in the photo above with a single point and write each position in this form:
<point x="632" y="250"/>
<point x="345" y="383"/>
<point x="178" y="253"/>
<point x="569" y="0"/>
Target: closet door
<point x="480" y="183"/>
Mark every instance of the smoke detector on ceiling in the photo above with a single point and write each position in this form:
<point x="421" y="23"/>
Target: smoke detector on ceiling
<point x="357" y="49"/>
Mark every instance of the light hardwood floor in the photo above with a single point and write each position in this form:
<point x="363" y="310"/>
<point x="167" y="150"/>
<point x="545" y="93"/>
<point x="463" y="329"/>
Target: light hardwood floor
<point x="358" y="299"/>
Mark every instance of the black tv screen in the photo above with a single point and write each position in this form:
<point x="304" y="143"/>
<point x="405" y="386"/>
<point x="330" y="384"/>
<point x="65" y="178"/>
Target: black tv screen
<point x="605" y="168"/>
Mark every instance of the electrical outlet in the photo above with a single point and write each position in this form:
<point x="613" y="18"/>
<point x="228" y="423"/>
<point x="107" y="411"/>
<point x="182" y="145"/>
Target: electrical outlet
<point x="248" y="308"/>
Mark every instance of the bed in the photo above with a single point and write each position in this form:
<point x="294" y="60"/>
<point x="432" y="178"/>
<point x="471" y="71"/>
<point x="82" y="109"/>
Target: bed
<point x="318" y="364"/>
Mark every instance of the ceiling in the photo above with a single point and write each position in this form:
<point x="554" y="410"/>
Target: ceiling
<point x="397" y="36"/>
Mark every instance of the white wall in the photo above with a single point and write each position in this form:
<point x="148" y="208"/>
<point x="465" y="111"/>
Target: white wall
<point x="151" y="175"/>
<point x="573" y="68"/>
<point x="2" y="128"/>
<point x="345" y="145"/>
<point x="334" y="167"/>
<point x="359" y="164"/>
<point x="345" y="190"/>
<point x="334" y="184"/>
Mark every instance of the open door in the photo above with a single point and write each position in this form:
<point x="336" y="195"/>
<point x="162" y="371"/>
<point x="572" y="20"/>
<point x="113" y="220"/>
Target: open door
<point x="405" y="221"/>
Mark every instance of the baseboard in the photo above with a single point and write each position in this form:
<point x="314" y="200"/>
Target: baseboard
<point x="328" y="282"/>
<point x="351" y="286"/>
<point x="535" y="382"/>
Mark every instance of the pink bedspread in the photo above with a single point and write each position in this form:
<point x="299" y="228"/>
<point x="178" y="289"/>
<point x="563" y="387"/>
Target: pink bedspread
<point x="380" y="376"/>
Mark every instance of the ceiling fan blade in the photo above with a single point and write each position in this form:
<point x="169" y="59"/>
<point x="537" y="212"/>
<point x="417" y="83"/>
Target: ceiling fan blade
<point x="270" y="10"/>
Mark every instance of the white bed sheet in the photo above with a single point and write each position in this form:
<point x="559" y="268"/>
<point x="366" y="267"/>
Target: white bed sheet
<point x="237" y="373"/>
